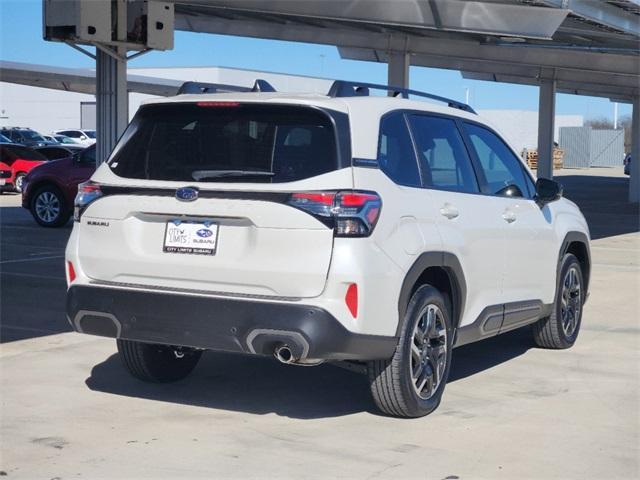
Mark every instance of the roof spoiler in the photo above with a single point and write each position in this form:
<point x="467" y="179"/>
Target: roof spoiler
<point x="200" y="88"/>
<point x="342" y="88"/>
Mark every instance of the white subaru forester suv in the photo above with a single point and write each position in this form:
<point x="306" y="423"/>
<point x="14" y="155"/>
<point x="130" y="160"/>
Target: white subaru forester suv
<point x="375" y="232"/>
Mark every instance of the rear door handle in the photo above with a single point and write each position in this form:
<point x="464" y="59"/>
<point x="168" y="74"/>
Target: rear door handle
<point x="449" y="211"/>
<point x="509" y="216"/>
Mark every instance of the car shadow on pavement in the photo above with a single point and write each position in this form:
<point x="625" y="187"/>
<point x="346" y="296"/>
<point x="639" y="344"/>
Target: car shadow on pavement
<point x="477" y="357"/>
<point x="260" y="385"/>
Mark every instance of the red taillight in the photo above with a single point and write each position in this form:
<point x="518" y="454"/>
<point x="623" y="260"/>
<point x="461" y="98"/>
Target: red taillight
<point x="351" y="299"/>
<point x="350" y="213"/>
<point x="322" y="198"/>
<point x="357" y="199"/>
<point x="217" y="104"/>
<point x="71" y="272"/>
<point x="87" y="193"/>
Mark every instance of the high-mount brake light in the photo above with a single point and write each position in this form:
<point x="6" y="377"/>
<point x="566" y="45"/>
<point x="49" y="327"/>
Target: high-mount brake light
<point x="217" y="104"/>
<point x="350" y="213"/>
<point x="87" y="193"/>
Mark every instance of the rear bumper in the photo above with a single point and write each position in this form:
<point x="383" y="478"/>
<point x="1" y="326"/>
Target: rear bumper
<point x="217" y="323"/>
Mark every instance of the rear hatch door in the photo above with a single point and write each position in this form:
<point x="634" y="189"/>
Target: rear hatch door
<point x="195" y="198"/>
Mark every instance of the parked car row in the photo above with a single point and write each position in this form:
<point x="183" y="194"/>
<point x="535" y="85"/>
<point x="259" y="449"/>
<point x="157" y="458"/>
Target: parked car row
<point x="49" y="190"/>
<point x="31" y="138"/>
<point x="22" y="149"/>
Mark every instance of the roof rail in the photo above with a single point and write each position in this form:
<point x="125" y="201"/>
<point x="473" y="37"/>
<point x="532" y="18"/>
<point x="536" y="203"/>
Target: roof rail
<point x="198" y="87"/>
<point x="342" y="88"/>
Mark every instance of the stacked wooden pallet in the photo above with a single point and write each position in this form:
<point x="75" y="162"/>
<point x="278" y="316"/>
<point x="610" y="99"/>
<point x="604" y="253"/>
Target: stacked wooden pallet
<point x="531" y="157"/>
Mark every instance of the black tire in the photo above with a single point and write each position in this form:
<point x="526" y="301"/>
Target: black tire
<point x="552" y="331"/>
<point x="17" y="183"/>
<point x="157" y="363"/>
<point x="52" y="194"/>
<point x="391" y="381"/>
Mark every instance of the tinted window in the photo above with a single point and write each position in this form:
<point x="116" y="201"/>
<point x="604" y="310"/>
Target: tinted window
<point x="88" y="155"/>
<point x="443" y="154"/>
<point x="500" y="166"/>
<point x="31" y="135"/>
<point x="9" y="154"/>
<point x="53" y="153"/>
<point x="243" y="143"/>
<point x="13" y="136"/>
<point x="90" y="133"/>
<point x="71" y="133"/>
<point x="396" y="156"/>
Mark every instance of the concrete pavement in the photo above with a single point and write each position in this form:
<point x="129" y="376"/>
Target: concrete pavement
<point x="510" y="410"/>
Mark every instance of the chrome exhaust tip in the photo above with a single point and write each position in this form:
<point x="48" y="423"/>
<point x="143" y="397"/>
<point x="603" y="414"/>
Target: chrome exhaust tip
<point x="284" y="354"/>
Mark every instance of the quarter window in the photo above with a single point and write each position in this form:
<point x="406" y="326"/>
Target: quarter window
<point x="499" y="164"/>
<point x="446" y="163"/>
<point x="396" y="156"/>
<point x="88" y="155"/>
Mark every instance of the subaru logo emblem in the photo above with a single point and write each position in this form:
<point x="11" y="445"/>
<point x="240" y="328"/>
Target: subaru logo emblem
<point x="204" y="233"/>
<point x="187" y="194"/>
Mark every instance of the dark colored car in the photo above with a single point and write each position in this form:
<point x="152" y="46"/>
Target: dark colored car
<point x="25" y="136"/>
<point x="627" y="165"/>
<point x="20" y="160"/>
<point x="56" y="152"/>
<point x="50" y="189"/>
<point x="4" y="139"/>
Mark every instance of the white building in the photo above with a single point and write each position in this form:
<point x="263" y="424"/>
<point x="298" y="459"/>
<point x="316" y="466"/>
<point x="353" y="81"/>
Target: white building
<point x="45" y="110"/>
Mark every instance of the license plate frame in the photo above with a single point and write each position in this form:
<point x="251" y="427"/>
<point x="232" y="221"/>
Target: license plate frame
<point x="188" y="237"/>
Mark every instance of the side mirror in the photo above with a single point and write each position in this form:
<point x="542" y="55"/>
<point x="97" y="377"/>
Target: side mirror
<point x="547" y="191"/>
<point x="82" y="137"/>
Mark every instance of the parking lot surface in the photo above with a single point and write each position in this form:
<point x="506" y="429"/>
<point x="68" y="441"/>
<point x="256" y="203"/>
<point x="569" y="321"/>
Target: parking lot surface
<point x="510" y="410"/>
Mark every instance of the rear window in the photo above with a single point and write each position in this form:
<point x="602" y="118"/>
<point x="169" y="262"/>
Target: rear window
<point x="207" y="142"/>
<point x="12" y="153"/>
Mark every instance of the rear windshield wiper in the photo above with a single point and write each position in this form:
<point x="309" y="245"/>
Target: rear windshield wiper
<point x="202" y="174"/>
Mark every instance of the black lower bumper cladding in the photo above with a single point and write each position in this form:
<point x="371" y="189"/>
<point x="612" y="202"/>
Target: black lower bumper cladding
<point x="222" y="324"/>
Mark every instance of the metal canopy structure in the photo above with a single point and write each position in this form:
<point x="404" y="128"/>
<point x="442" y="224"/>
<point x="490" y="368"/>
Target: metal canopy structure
<point x="515" y="41"/>
<point x="81" y="80"/>
<point x="582" y="47"/>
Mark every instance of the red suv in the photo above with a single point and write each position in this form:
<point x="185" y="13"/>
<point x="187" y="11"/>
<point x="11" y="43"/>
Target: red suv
<point x="50" y="189"/>
<point x="20" y="160"/>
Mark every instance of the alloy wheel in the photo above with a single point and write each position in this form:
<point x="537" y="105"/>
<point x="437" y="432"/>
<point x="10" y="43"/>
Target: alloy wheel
<point x="19" y="183"/>
<point x="48" y="207"/>
<point x="428" y="352"/>
<point x="570" y="301"/>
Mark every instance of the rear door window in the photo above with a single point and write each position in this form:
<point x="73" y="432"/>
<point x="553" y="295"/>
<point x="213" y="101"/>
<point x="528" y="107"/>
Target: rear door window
<point x="216" y="142"/>
<point x="446" y="163"/>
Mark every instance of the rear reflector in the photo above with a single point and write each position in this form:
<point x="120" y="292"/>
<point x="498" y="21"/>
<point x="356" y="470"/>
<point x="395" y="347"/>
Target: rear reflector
<point x="351" y="299"/>
<point x="71" y="272"/>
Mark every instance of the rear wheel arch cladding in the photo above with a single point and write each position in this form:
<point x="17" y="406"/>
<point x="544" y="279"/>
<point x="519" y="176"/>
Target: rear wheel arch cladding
<point x="450" y="265"/>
